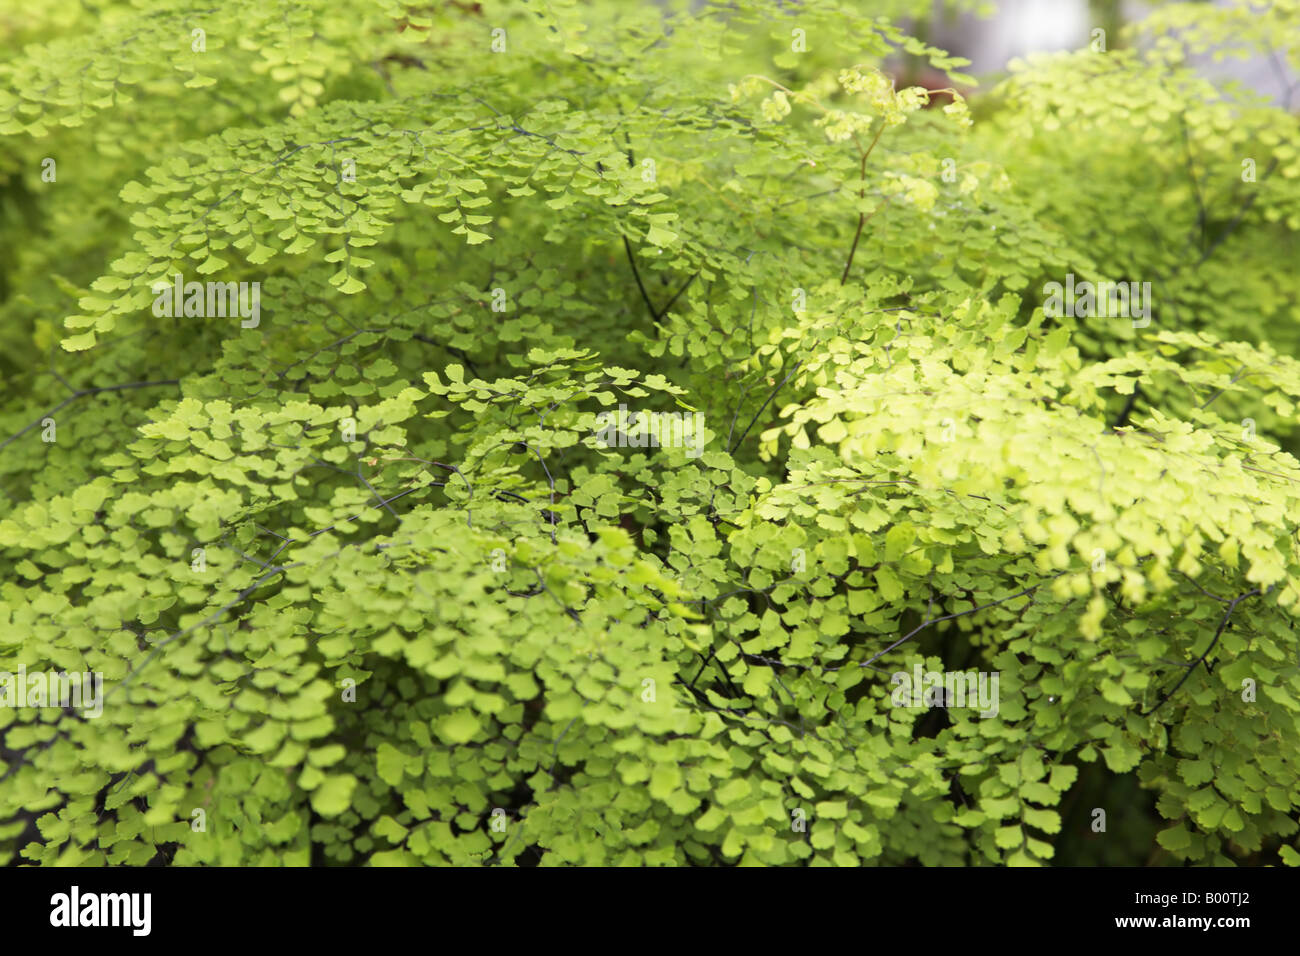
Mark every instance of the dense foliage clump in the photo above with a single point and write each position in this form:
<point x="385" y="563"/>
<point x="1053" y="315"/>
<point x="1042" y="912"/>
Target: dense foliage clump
<point x="386" y="567"/>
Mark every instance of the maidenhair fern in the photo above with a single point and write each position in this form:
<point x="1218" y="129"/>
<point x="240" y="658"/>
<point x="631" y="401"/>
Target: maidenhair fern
<point x="607" y="403"/>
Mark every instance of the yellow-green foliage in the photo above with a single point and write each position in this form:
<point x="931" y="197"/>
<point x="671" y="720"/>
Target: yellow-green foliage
<point x="365" y="587"/>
